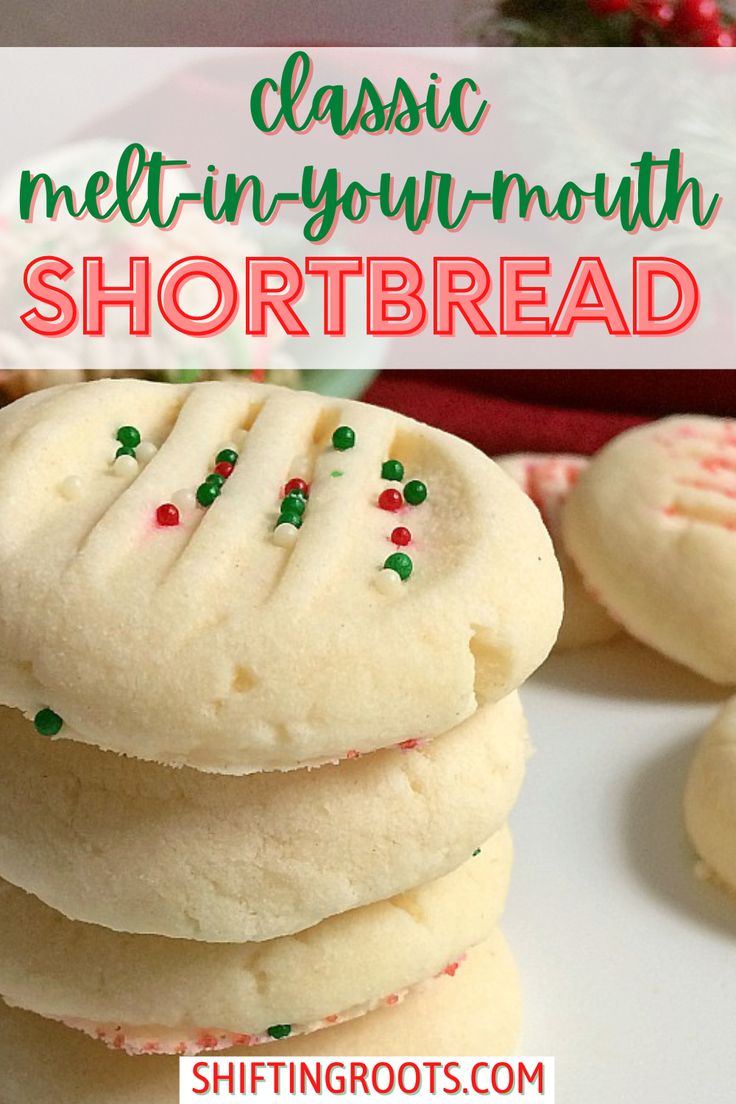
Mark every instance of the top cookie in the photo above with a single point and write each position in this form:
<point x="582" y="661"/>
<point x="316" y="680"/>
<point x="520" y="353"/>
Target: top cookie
<point x="216" y="642"/>
<point x="651" y="524"/>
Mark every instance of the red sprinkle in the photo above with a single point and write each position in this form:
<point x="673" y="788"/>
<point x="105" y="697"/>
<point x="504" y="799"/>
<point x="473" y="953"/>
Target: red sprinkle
<point x="390" y="500"/>
<point x="206" y="1041"/>
<point x="167" y="514"/>
<point x="392" y="999"/>
<point x="401" y="536"/>
<point x="409" y="745"/>
<point x="452" y="969"/>
<point x="224" y="469"/>
<point x="296" y="485"/>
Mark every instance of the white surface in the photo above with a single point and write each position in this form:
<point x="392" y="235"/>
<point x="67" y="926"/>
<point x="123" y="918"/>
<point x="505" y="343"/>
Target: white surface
<point x="627" y="960"/>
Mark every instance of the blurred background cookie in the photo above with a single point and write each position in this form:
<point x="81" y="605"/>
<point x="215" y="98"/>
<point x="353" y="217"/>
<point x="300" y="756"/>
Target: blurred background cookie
<point x="548" y="481"/>
<point x="710" y="799"/>
<point x="651" y="525"/>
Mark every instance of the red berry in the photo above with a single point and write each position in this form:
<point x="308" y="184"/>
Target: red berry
<point x="390" y="500"/>
<point x="296" y="485"/>
<point x="692" y="16"/>
<point x="718" y="36"/>
<point x="225" y="469"/>
<point x="608" y="7"/>
<point x="657" y="12"/>
<point x="167" y="514"/>
<point x="401" y="536"/>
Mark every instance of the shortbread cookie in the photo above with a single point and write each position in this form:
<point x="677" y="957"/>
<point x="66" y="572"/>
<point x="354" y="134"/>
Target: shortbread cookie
<point x="548" y="481"/>
<point x="477" y="1011"/>
<point x="651" y="525"/>
<point x="156" y="607"/>
<point x="710" y="798"/>
<point x="141" y="847"/>
<point x="145" y="992"/>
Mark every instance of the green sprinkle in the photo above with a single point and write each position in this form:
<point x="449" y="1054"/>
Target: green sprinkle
<point x="226" y="456"/>
<point x="125" y="450"/>
<point x="216" y="479"/>
<point x="415" y="492"/>
<point x="290" y="517"/>
<point x="207" y="493"/>
<point x="476" y="852"/>
<point x="400" y="563"/>
<point x="343" y="438"/>
<point x="294" y="502"/>
<point x="128" y="436"/>
<point x="279" y="1031"/>
<point x="47" y="722"/>
<point x="336" y="474"/>
<point x="392" y="469"/>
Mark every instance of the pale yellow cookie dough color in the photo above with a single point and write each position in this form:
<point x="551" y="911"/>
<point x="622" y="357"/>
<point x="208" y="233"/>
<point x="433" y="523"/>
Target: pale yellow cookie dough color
<point x="207" y="643"/>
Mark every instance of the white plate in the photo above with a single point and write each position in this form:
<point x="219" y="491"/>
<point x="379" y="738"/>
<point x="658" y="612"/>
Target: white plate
<point x="628" y="961"/>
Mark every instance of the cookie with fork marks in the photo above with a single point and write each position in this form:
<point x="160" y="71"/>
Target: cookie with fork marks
<point x="156" y="611"/>
<point x="651" y="525"/>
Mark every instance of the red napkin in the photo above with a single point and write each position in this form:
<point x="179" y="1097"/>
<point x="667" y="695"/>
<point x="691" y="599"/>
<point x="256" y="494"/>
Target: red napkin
<point x="550" y="411"/>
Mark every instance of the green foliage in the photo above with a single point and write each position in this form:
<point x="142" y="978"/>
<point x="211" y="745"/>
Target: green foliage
<point x="560" y="23"/>
<point x="563" y="23"/>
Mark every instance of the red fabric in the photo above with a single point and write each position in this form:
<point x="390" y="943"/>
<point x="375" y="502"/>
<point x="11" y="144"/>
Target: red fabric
<point x="550" y="411"/>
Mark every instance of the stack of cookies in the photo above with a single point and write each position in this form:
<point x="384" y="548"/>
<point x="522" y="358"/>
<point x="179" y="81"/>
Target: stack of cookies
<point x="267" y="647"/>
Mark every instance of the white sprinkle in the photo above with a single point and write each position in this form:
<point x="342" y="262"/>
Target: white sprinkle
<point x="285" y="535"/>
<point x="125" y="465"/>
<point x="146" y="451"/>
<point x="388" y="582"/>
<point x="239" y="439"/>
<point x="184" y="500"/>
<point x="71" y="488"/>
